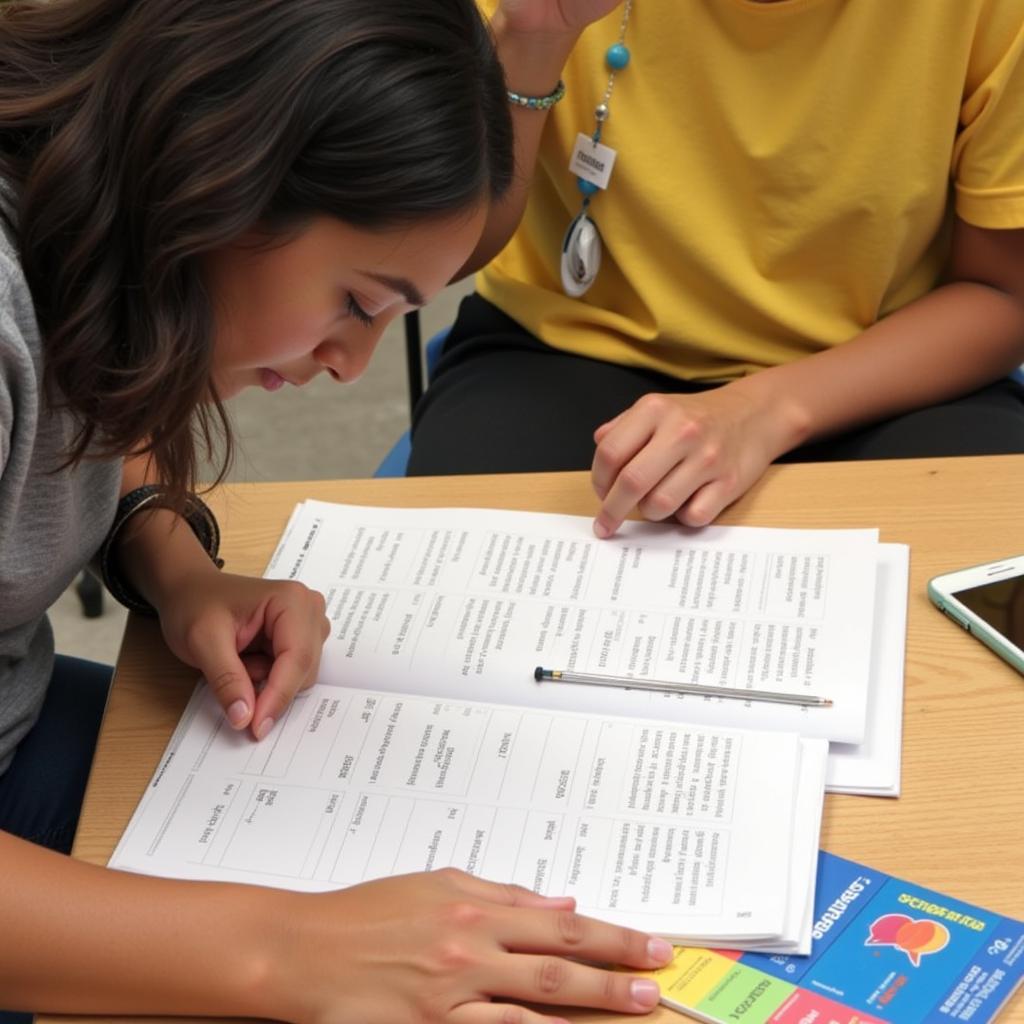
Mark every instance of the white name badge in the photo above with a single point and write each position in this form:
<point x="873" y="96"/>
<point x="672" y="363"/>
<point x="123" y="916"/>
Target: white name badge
<point x="592" y="161"/>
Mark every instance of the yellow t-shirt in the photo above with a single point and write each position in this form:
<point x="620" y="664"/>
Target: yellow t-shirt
<point x="786" y="175"/>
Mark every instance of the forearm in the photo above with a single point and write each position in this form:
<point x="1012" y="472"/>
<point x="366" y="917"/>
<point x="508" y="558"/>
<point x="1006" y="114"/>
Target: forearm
<point x="78" y="938"/>
<point x="950" y="342"/>
<point x="533" y="63"/>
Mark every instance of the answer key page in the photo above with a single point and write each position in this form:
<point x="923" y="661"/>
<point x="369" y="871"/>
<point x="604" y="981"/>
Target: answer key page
<point x="467" y="602"/>
<point x="669" y="828"/>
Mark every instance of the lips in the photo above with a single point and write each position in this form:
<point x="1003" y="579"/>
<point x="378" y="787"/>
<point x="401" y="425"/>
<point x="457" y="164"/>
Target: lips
<point x="271" y="381"/>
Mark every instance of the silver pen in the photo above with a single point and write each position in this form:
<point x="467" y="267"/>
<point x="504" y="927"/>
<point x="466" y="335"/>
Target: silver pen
<point x="542" y="675"/>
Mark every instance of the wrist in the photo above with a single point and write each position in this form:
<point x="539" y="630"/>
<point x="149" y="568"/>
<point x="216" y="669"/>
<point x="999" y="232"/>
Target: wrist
<point x="159" y="554"/>
<point x="252" y="933"/>
<point x="785" y="421"/>
<point x="533" y="57"/>
<point x="270" y="923"/>
<point x="293" y="940"/>
<point x="144" y="542"/>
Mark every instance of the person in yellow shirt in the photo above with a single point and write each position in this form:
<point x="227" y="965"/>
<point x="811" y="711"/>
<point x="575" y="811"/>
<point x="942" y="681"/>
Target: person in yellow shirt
<point x="811" y="247"/>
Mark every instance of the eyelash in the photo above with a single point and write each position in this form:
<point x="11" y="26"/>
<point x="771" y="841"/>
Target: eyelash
<point x="357" y="311"/>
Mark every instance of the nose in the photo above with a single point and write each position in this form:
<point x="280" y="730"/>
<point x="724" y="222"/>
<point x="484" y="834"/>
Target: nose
<point x="346" y="361"/>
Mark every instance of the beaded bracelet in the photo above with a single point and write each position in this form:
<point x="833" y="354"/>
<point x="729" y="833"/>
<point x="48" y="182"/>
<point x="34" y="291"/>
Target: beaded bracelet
<point x="538" y="102"/>
<point x="196" y="513"/>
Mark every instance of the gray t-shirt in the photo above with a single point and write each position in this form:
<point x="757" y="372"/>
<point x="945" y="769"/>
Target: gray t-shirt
<point x="51" y="523"/>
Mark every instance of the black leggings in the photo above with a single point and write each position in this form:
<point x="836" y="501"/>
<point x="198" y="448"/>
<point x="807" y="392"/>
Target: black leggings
<point x="501" y="401"/>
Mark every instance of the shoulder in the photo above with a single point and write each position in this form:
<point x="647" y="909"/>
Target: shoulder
<point x="1007" y="15"/>
<point x="19" y="329"/>
<point x="998" y="33"/>
<point x="20" y="345"/>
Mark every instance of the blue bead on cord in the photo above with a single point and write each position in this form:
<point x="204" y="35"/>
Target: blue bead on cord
<point x="587" y="188"/>
<point x="617" y="56"/>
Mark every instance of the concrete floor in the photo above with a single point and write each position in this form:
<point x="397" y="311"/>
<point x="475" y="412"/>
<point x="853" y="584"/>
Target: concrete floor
<point x="324" y="431"/>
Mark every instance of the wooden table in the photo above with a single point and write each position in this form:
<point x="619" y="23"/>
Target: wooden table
<point x="958" y="827"/>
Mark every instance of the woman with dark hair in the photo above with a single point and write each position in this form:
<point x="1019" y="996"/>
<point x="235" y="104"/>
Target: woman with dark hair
<point x="198" y="197"/>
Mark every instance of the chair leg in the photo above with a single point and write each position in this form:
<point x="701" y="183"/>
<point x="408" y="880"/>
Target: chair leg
<point x="413" y="359"/>
<point x="90" y="593"/>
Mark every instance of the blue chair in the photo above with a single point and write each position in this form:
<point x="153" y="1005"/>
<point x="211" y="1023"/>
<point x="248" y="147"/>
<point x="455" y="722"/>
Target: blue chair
<point x="395" y="462"/>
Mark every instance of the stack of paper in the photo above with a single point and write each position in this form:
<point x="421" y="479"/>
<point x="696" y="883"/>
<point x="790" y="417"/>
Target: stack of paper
<point x="428" y="743"/>
<point x="467" y="602"/>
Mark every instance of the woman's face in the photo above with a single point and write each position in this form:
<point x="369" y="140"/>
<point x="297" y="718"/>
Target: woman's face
<point x="319" y="301"/>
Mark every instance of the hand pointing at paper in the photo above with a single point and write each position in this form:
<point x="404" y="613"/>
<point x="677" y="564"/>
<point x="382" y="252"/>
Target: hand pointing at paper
<point x="684" y="456"/>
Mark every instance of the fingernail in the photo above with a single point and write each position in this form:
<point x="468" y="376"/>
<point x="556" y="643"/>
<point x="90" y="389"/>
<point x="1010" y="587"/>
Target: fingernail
<point x="659" y="950"/>
<point x="238" y="713"/>
<point x="645" y="992"/>
<point x="601" y="530"/>
<point x="264" y="727"/>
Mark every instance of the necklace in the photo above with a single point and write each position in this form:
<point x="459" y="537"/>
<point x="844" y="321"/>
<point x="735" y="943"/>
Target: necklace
<point x="592" y="164"/>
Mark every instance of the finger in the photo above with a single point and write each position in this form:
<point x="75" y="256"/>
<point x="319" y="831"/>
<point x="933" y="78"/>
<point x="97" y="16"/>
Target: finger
<point x="603" y="430"/>
<point x="499" y="1013"/>
<point x="216" y="657"/>
<point x="707" y="502"/>
<point x="631" y="432"/>
<point x="566" y="933"/>
<point x="553" y="979"/>
<point x="297" y="643"/>
<point x="615" y="451"/>
<point x="505" y="893"/>
<point x="257" y="664"/>
<point x="634" y="483"/>
<point x="672" y="492"/>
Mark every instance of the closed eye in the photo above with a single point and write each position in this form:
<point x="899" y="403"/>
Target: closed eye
<point x="357" y="311"/>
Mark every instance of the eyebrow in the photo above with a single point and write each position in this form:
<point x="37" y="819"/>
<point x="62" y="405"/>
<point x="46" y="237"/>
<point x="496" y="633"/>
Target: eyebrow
<point x="404" y="287"/>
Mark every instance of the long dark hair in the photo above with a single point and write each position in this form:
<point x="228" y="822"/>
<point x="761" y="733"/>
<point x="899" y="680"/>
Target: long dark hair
<point x="142" y="134"/>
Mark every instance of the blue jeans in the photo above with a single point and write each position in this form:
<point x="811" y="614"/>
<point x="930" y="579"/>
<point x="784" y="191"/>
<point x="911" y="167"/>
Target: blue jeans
<point x="41" y="792"/>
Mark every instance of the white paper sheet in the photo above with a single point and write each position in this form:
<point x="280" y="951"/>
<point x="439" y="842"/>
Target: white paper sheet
<point x="872" y="767"/>
<point x="465" y="603"/>
<point x="682" y="831"/>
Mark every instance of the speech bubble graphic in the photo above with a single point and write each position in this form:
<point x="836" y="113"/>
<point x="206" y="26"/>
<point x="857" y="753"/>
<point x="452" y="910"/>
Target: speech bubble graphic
<point x="885" y="929"/>
<point x="915" y="938"/>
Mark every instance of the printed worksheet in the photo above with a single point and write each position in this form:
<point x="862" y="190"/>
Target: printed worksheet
<point x="695" y="833"/>
<point x="465" y="603"/>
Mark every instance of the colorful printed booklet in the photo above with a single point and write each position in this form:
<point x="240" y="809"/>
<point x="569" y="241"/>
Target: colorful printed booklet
<point x="884" y="950"/>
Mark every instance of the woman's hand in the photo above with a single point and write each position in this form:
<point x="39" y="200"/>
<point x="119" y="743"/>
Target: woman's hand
<point x="687" y="456"/>
<point x="241" y="632"/>
<point x="552" y="17"/>
<point x="438" y="947"/>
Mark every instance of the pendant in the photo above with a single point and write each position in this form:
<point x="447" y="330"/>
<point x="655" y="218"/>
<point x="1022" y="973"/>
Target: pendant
<point x="581" y="256"/>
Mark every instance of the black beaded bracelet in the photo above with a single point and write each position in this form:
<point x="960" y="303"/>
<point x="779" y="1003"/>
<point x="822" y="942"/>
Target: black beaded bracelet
<point x="196" y="513"/>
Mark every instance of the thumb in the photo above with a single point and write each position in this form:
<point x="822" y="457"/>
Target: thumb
<point x="606" y="428"/>
<point x="227" y="677"/>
